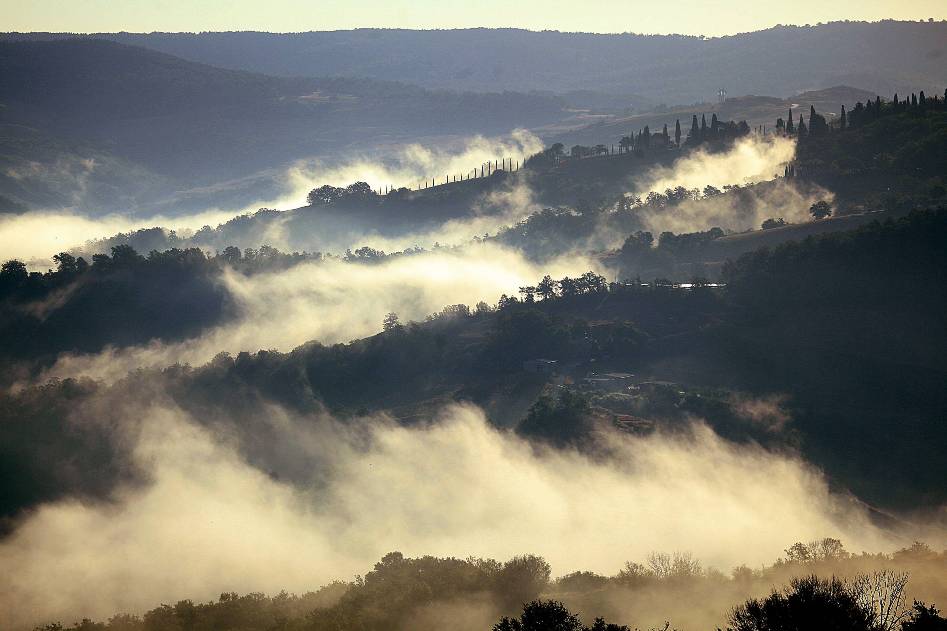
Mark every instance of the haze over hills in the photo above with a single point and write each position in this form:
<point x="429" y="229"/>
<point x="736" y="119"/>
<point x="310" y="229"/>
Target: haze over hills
<point x="499" y="321"/>
<point x="884" y="57"/>
<point x="150" y="122"/>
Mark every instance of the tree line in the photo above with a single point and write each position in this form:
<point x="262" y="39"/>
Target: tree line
<point x="522" y="596"/>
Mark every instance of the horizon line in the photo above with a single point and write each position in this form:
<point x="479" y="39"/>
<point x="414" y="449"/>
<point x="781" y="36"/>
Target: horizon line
<point x="931" y="21"/>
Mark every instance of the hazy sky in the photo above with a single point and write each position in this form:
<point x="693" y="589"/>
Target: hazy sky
<point x="696" y="17"/>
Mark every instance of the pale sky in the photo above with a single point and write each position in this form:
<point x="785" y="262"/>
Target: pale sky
<point x="693" y="17"/>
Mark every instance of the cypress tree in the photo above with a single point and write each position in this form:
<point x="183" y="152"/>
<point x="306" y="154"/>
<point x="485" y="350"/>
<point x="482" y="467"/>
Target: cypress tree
<point x="790" y="126"/>
<point x="921" y="100"/>
<point x="694" y="135"/>
<point x="703" y="126"/>
<point x="677" y="133"/>
<point x="802" y="127"/>
<point x="647" y="136"/>
<point x="713" y="125"/>
<point x="843" y="121"/>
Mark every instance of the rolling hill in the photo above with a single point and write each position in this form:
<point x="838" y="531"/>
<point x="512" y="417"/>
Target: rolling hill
<point x="883" y="57"/>
<point x="190" y="124"/>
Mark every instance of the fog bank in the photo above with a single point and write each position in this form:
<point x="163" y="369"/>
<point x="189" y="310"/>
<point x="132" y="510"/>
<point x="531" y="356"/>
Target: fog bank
<point x="35" y="236"/>
<point x="207" y="522"/>
<point x="334" y="301"/>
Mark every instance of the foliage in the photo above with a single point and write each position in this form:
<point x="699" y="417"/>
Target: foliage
<point x="809" y="603"/>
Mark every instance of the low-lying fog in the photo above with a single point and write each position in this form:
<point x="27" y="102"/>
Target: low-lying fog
<point x="36" y="235"/>
<point x="207" y="522"/>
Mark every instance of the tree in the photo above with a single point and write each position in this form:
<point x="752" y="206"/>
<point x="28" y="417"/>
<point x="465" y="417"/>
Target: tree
<point x="881" y="594"/>
<point x="231" y="254"/>
<point x="358" y="190"/>
<point x="546" y="288"/>
<point x="821" y="209"/>
<point x="13" y="272"/>
<point x="521" y="579"/>
<point x="817" y="123"/>
<point x="125" y="255"/>
<point x="551" y="615"/>
<point x="809" y="603"/>
<point x="65" y="263"/>
<point x="391" y="322"/>
<point x="802" y="132"/>
<point x="924" y="618"/>
<point x="693" y="136"/>
<point x="677" y="132"/>
<point x="773" y="223"/>
<point x="843" y="119"/>
<point x="790" y="126"/>
<point x="324" y="195"/>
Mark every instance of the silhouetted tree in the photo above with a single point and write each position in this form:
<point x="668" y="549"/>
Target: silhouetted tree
<point x="391" y="322"/>
<point x="809" y="603"/>
<point x="924" y="618"/>
<point x="817" y="123"/>
<point x="551" y="615"/>
<point x="677" y="132"/>
<point x="693" y="136"/>
<point x="546" y="288"/>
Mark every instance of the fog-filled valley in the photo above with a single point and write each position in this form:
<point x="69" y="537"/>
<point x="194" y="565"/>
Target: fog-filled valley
<point x="335" y="330"/>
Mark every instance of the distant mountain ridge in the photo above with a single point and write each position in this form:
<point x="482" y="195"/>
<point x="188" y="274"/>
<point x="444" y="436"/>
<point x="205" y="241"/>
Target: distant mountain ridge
<point x="884" y="57"/>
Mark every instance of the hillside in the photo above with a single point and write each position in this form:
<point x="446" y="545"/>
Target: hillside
<point x="842" y="325"/>
<point x="197" y="125"/>
<point x="755" y="110"/>
<point x="883" y="57"/>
